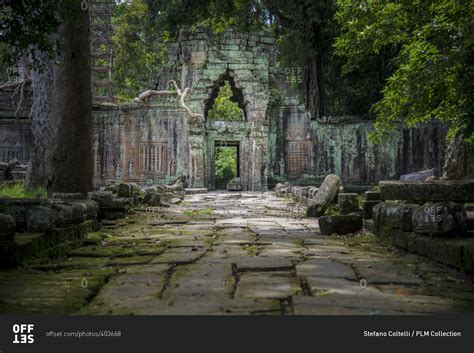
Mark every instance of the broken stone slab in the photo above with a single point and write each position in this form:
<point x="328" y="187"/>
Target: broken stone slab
<point x="438" y="190"/>
<point x="324" y="268"/>
<point x="421" y="175"/>
<point x="440" y="218"/>
<point x="192" y="191"/>
<point x="348" y="203"/>
<point x="67" y="195"/>
<point x="372" y="195"/>
<point x="325" y="195"/>
<point x="7" y="229"/>
<point x="340" y="224"/>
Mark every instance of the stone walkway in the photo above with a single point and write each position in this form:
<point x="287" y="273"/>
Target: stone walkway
<point x="233" y="253"/>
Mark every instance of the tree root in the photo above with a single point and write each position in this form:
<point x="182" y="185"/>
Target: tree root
<point x="181" y="94"/>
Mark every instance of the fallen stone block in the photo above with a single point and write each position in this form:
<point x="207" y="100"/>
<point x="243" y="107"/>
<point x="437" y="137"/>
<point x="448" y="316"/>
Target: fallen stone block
<point x="437" y="190"/>
<point x="124" y="190"/>
<point x="372" y="195"/>
<point x="325" y="195"/>
<point x="421" y="175"/>
<point x="347" y="203"/>
<point x="312" y="191"/>
<point x="340" y="224"/>
<point x="393" y="215"/>
<point x="110" y="206"/>
<point x="152" y="198"/>
<point x="67" y="195"/>
<point x="19" y="208"/>
<point x="234" y="185"/>
<point x="192" y="191"/>
<point x="41" y="219"/>
<point x="127" y="189"/>
<point x="440" y="218"/>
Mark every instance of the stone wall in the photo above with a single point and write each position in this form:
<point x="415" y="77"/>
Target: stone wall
<point x="156" y="141"/>
<point x="303" y="150"/>
<point x="145" y="144"/>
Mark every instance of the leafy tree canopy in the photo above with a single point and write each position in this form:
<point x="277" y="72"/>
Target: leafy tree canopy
<point x="138" y="50"/>
<point x="432" y="40"/>
<point x="224" y="108"/>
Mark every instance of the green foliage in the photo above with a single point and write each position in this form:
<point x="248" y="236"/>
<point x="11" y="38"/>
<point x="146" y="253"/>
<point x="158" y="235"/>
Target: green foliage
<point x="332" y="210"/>
<point x="28" y="27"/>
<point x="18" y="190"/>
<point x="432" y="77"/>
<point x="226" y="166"/>
<point x="275" y="98"/>
<point x="224" y="108"/>
<point x="139" y="51"/>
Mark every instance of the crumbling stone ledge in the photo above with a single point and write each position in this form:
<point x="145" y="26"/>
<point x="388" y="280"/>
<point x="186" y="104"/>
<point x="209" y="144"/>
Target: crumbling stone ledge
<point x="458" y="253"/>
<point x="437" y="190"/>
<point x="54" y="243"/>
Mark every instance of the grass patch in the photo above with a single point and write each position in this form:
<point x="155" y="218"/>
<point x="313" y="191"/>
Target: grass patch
<point x="19" y="191"/>
<point x="202" y="212"/>
<point x="360" y="201"/>
<point x="251" y="250"/>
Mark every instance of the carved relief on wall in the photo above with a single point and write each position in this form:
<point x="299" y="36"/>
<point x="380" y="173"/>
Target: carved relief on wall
<point x="297" y="157"/>
<point x="10" y="153"/>
<point x="154" y="158"/>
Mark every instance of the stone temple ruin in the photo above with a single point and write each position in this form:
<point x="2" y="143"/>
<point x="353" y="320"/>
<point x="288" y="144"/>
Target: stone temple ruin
<point x="153" y="241"/>
<point x="156" y="141"/>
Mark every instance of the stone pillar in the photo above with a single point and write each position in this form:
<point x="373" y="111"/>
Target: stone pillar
<point x="258" y="158"/>
<point x="197" y="160"/>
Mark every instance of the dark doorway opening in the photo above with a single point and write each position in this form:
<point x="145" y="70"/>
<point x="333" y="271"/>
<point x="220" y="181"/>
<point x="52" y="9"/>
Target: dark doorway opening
<point x="226" y="163"/>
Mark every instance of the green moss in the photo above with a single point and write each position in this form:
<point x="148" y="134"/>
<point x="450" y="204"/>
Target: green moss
<point x="360" y="201"/>
<point x="251" y="250"/>
<point x="19" y="191"/>
<point x="332" y="210"/>
<point x="201" y="212"/>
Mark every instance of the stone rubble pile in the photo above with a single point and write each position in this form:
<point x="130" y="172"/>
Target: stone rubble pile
<point x="318" y="200"/>
<point x="163" y="195"/>
<point x="13" y="170"/>
<point x="43" y="215"/>
<point x="428" y="218"/>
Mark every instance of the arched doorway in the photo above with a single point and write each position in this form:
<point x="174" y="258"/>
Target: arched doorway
<point x="226" y="125"/>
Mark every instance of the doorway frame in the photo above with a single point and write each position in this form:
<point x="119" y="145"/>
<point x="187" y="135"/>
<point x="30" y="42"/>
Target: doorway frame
<point x="212" y="159"/>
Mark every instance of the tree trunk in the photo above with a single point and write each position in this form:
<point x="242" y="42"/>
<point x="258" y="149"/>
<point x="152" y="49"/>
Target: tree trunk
<point x="456" y="159"/>
<point x="314" y="85"/>
<point x="61" y="158"/>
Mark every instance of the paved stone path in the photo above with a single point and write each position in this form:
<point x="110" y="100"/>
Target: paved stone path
<point x="233" y="253"/>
